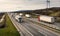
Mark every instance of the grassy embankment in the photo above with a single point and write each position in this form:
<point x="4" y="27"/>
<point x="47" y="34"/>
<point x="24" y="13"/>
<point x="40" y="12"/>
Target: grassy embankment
<point x="9" y="29"/>
<point x="56" y="14"/>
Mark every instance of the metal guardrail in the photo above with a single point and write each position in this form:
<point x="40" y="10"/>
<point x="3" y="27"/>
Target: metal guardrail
<point x="2" y="18"/>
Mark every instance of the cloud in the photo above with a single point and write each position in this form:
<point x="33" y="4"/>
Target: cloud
<point x="13" y="5"/>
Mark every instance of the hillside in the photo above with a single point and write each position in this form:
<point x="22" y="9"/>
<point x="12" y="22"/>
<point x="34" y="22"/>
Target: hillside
<point x="54" y="11"/>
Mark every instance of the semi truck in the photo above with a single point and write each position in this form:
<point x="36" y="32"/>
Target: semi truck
<point x="47" y="19"/>
<point x="18" y="18"/>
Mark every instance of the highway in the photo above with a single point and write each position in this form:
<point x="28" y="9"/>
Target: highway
<point x="54" y="25"/>
<point x="28" y="28"/>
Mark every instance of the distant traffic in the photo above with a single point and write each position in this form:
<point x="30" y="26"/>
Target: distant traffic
<point x="42" y="18"/>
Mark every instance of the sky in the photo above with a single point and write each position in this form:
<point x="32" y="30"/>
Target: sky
<point x="14" y="5"/>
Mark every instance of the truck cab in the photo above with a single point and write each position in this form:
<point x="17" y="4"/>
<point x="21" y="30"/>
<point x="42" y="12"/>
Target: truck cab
<point x="18" y="18"/>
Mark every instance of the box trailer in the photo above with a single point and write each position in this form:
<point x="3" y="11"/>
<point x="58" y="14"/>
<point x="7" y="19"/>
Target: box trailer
<point x="46" y="19"/>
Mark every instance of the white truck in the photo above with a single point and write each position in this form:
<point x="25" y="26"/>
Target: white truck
<point x="21" y="14"/>
<point x="18" y="18"/>
<point x="48" y="19"/>
<point x="28" y="15"/>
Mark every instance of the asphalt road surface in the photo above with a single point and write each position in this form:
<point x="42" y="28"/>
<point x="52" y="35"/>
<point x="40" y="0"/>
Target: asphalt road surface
<point x="28" y="28"/>
<point x="54" y="25"/>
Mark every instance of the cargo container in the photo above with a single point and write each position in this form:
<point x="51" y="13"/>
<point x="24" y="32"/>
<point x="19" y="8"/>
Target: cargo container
<point x="47" y="19"/>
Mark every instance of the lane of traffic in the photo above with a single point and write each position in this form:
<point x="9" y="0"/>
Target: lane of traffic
<point x="21" y="29"/>
<point x="39" y="29"/>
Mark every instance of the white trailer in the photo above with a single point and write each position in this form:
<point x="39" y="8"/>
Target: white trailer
<point x="18" y="18"/>
<point x="21" y="14"/>
<point x="27" y="15"/>
<point x="46" y="19"/>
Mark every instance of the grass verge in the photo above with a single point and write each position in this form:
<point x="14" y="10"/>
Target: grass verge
<point x="9" y="30"/>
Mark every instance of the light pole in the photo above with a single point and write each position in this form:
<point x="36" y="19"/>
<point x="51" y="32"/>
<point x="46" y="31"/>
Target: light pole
<point x="48" y="6"/>
<point x="48" y="3"/>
